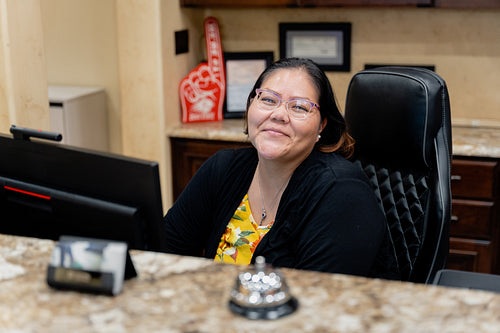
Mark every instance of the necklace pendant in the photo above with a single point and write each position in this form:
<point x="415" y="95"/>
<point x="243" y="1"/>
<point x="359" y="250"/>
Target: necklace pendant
<point x="262" y="216"/>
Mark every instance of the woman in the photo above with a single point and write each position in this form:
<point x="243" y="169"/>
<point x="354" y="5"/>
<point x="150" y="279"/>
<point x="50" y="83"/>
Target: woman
<point x="292" y="198"/>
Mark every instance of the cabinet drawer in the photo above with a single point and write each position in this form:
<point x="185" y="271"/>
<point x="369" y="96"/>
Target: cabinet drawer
<point x="470" y="255"/>
<point x="471" y="218"/>
<point x="473" y="179"/>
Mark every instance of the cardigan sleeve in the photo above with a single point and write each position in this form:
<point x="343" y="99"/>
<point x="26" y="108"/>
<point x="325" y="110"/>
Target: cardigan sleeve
<point x="185" y="223"/>
<point x="195" y="223"/>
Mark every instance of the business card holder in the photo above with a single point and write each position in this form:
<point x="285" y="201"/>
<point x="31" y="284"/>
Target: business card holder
<point x="90" y="265"/>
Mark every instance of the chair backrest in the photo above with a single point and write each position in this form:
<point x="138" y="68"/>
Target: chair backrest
<point x="400" y="119"/>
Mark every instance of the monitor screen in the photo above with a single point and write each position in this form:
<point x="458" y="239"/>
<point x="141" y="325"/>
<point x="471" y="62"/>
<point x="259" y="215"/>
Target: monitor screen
<point x="48" y="190"/>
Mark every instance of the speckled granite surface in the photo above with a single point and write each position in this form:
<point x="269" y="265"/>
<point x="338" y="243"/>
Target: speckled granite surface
<point x="227" y="130"/>
<point x="184" y="294"/>
<point x="467" y="140"/>
<point x="476" y="141"/>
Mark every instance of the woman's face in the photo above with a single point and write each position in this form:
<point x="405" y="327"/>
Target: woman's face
<point x="276" y="135"/>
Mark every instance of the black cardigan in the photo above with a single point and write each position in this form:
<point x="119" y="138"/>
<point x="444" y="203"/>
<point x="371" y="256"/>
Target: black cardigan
<point x="328" y="218"/>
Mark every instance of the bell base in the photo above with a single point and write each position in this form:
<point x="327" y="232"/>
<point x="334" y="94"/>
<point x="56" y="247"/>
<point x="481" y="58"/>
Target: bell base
<point x="267" y="313"/>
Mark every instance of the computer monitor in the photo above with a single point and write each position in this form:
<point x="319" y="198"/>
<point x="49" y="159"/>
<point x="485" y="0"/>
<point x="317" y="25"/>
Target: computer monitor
<point x="48" y="190"/>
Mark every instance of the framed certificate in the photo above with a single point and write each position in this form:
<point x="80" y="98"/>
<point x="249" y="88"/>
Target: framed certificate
<point x="242" y="70"/>
<point x="327" y="44"/>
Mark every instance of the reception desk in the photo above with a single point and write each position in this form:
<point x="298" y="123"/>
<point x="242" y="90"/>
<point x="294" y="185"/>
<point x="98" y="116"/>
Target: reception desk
<point x="185" y="294"/>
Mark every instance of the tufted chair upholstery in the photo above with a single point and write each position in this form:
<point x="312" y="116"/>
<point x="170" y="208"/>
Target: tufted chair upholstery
<point x="400" y="119"/>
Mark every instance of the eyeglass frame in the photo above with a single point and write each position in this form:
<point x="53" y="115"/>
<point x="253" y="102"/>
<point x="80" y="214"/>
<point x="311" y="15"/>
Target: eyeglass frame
<point x="313" y="105"/>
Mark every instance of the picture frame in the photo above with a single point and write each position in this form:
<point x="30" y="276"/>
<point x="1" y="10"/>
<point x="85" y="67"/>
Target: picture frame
<point x="327" y="44"/>
<point x="242" y="70"/>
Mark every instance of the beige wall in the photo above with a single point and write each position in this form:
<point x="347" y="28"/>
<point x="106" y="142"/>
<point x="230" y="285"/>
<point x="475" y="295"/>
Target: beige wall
<point x="81" y="49"/>
<point x="23" y="80"/>
<point x="464" y="45"/>
<point x="127" y="47"/>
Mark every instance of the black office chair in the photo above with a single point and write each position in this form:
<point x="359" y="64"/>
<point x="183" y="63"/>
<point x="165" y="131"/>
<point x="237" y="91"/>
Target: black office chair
<point x="400" y="119"/>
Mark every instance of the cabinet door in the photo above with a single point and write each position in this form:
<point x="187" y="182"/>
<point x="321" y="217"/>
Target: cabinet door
<point x="188" y="155"/>
<point x="470" y="255"/>
<point x="473" y="178"/>
<point x="472" y="219"/>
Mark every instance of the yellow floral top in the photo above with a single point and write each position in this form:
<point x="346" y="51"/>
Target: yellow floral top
<point x="241" y="237"/>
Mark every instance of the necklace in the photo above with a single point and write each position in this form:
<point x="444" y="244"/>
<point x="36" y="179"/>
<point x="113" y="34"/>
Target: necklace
<point x="264" y="213"/>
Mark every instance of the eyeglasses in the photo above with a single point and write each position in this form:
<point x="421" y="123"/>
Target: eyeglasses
<point x="297" y="108"/>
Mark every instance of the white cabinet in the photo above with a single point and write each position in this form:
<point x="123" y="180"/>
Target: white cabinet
<point x="80" y="115"/>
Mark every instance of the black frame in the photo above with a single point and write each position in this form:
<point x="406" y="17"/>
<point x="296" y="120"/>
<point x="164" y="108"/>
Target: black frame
<point x="341" y="31"/>
<point x="79" y="192"/>
<point x="238" y="111"/>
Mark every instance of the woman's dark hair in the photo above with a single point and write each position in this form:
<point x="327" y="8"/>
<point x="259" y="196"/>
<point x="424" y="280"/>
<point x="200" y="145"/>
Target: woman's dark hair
<point x="334" y="136"/>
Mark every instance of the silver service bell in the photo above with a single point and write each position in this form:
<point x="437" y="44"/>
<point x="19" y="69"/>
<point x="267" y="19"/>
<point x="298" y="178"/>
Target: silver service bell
<point x="261" y="293"/>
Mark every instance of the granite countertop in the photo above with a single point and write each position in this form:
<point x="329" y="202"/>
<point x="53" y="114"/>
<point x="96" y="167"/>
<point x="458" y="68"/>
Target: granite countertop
<point x="185" y="294"/>
<point x="467" y="140"/>
<point x="476" y="141"/>
<point x="227" y="130"/>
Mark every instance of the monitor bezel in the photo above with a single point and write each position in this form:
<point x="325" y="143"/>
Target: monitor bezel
<point x="92" y="174"/>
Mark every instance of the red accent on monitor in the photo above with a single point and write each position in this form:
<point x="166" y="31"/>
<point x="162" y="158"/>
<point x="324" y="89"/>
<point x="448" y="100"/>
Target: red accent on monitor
<point x="28" y="193"/>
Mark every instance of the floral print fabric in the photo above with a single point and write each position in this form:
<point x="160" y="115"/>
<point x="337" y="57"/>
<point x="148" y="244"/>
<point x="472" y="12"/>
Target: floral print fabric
<point x="241" y="237"/>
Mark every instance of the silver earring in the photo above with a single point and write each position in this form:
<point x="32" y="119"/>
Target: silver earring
<point x="319" y="136"/>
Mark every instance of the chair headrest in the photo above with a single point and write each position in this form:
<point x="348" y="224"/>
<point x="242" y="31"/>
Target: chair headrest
<point x="395" y="113"/>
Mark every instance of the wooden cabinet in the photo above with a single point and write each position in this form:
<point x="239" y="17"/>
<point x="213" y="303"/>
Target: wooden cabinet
<point x="189" y="154"/>
<point x="343" y="3"/>
<point x="238" y="3"/>
<point x="474" y="229"/>
<point x="302" y="3"/>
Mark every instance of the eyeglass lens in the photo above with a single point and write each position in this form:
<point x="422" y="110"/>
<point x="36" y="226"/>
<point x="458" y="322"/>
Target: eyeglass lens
<point x="296" y="107"/>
